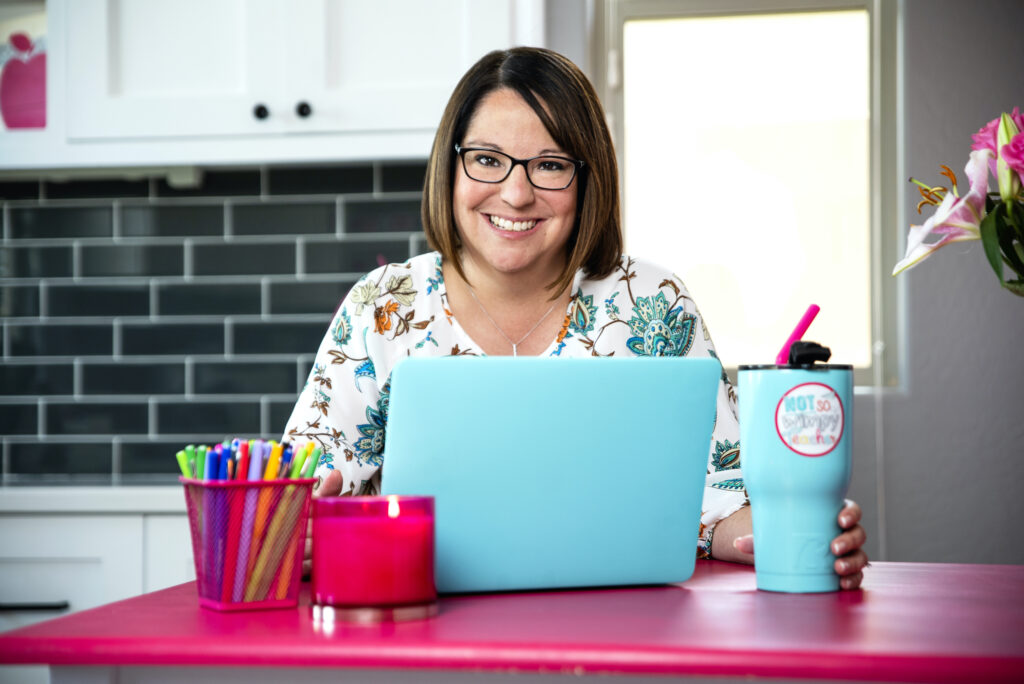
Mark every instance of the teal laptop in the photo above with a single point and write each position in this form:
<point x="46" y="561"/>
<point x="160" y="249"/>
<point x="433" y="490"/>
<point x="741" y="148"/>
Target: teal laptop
<point x="551" y="473"/>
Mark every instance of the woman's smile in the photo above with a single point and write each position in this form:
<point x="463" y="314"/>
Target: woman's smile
<point x="512" y="225"/>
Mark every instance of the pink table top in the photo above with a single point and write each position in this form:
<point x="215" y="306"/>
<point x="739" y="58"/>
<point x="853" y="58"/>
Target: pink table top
<point x="911" y="622"/>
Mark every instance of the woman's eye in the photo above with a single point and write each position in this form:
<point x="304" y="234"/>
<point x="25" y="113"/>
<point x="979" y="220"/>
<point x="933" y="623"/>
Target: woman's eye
<point x="486" y="160"/>
<point x="551" y="165"/>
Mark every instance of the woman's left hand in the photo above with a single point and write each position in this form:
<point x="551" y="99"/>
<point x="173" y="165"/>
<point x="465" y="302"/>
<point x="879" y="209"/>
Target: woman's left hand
<point x="851" y="559"/>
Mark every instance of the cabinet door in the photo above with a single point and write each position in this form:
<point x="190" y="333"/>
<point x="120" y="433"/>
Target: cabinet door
<point x="151" y="68"/>
<point x="84" y="560"/>
<point x="387" y="64"/>
<point x="167" y="552"/>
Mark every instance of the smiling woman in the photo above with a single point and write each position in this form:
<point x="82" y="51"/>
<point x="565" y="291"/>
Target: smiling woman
<point x="521" y="206"/>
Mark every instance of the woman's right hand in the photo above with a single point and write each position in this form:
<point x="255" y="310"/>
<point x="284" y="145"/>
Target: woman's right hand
<point x="330" y="485"/>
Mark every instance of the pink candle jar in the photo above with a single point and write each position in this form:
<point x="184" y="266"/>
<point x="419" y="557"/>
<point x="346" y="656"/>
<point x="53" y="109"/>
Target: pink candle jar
<point x="373" y="550"/>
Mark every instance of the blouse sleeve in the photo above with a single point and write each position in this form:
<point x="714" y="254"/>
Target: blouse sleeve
<point x="342" y="408"/>
<point x="724" y="492"/>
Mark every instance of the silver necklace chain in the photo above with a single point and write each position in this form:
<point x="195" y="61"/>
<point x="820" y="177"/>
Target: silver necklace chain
<point x="497" y="327"/>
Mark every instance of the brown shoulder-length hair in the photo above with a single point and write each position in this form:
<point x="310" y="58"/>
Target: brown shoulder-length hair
<point x="567" y="105"/>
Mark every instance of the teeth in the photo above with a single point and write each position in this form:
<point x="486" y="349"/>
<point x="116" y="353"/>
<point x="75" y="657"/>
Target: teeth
<point x="514" y="226"/>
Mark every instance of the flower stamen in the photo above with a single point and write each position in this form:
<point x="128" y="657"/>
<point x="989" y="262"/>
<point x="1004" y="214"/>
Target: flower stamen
<point x="933" y="196"/>
<point x="948" y="173"/>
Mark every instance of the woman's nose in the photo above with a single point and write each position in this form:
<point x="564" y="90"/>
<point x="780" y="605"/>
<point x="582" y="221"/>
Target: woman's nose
<point x="516" y="190"/>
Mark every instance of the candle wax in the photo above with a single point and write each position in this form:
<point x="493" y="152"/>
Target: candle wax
<point x="373" y="561"/>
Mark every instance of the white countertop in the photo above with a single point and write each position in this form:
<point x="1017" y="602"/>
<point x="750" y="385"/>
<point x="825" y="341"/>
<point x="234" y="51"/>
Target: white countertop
<point x="108" y="499"/>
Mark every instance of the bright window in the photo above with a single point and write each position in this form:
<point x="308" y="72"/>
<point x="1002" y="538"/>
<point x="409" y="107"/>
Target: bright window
<point x="747" y="169"/>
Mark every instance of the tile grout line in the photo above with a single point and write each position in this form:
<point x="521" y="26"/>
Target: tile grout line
<point x="41" y="417"/>
<point x="77" y="373"/>
<point x="115" y="460"/>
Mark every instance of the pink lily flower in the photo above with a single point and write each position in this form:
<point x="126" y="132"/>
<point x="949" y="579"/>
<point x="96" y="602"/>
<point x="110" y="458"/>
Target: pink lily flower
<point x="1013" y="154"/>
<point x="986" y="137"/>
<point x="957" y="219"/>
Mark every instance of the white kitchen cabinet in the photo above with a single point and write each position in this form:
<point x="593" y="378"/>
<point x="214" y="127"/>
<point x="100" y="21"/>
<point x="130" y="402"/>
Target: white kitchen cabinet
<point x="81" y="560"/>
<point x="214" y="82"/>
<point x="147" y="68"/>
<point x="87" y="546"/>
<point x="167" y="552"/>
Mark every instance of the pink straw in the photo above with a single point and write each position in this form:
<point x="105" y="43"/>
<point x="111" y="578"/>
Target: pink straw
<point x="798" y="332"/>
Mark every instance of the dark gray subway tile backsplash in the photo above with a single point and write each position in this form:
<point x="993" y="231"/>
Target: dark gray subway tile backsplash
<point x="172" y="339"/>
<point x="147" y="378"/>
<point x="72" y="418"/>
<point x="351" y="256"/>
<point x="215" y="184"/>
<point x="21" y="301"/>
<point x="250" y="377"/>
<point x="171" y="220"/>
<point x="46" y="461"/>
<point x="278" y="338"/>
<point x="97" y="188"/>
<point x="58" y="339"/>
<point x="30" y="380"/>
<point x="283" y="219"/>
<point x="243" y="259"/>
<point x="302" y="298"/>
<point x="209" y="298"/>
<point x="131" y="260"/>
<point x="19" y="419"/>
<point x="138" y="316"/>
<point x="97" y="300"/>
<point x="376" y="217"/>
<point x="336" y="180"/>
<point x="37" y="262"/>
<point x="61" y="223"/>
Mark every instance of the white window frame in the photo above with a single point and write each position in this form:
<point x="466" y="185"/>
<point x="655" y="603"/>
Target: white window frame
<point x="885" y="137"/>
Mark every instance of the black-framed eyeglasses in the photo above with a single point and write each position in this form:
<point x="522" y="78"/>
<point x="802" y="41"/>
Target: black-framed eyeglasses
<point x="548" y="172"/>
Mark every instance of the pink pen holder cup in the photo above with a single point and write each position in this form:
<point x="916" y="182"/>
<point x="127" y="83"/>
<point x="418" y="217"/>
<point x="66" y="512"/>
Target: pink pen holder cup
<point x="247" y="541"/>
<point x="373" y="551"/>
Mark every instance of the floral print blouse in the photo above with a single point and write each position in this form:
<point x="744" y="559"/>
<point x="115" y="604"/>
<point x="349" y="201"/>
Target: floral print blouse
<point x="402" y="309"/>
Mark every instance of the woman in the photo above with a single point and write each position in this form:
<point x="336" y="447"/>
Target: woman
<point x="521" y="206"/>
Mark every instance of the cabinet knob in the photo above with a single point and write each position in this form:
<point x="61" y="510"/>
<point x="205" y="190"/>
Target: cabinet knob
<point x="260" y="111"/>
<point x="303" y="109"/>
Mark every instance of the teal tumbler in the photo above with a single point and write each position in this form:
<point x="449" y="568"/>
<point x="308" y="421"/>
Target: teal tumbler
<point x="795" y="438"/>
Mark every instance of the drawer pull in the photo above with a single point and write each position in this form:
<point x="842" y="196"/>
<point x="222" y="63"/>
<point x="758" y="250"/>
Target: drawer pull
<point x="38" y="605"/>
<point x="303" y="109"/>
<point x="260" y="111"/>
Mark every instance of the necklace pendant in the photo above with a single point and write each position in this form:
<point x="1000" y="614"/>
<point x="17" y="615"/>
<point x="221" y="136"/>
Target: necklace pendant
<point x="514" y="350"/>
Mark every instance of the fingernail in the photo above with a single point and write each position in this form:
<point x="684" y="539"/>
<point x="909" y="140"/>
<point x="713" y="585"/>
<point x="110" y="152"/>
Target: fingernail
<point x="843" y="566"/>
<point x="844" y="521"/>
<point x="838" y="548"/>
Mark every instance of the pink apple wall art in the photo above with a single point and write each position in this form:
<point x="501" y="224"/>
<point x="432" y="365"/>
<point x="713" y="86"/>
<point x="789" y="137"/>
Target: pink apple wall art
<point x="23" y="82"/>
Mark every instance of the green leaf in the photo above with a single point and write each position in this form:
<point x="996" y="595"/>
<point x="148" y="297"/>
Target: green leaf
<point x="990" y="240"/>
<point x="1007" y="234"/>
<point x="1015" y="286"/>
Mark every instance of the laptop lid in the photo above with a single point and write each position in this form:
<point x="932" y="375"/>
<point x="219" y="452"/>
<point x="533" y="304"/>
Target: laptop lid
<point x="554" y="473"/>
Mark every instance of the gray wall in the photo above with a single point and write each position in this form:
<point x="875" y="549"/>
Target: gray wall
<point x="954" y="438"/>
<point x="939" y="462"/>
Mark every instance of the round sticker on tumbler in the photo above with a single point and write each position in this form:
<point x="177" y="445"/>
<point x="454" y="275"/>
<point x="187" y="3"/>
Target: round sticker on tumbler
<point x="809" y="419"/>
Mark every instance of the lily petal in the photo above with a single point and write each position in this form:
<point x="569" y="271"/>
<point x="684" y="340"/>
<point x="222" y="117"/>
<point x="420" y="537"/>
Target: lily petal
<point x="919" y="253"/>
<point x="957" y="219"/>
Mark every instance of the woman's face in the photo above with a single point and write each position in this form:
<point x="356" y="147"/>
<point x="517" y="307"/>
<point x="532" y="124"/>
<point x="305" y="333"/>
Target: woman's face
<point x="512" y="227"/>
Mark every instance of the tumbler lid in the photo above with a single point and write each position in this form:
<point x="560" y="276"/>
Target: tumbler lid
<point x="804" y="355"/>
